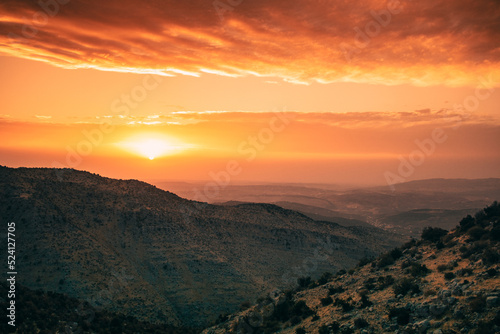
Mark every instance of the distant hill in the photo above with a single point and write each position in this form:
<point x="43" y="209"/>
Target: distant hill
<point x="126" y="246"/>
<point x="443" y="283"/>
<point x="314" y="212"/>
<point x="406" y="209"/>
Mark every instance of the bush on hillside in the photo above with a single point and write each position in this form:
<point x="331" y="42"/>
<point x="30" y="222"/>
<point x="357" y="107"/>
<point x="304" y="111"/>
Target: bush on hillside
<point x="433" y="234"/>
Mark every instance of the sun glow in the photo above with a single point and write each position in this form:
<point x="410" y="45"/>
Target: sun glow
<point x="153" y="146"/>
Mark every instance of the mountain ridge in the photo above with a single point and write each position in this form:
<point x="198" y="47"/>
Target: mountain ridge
<point x="132" y="248"/>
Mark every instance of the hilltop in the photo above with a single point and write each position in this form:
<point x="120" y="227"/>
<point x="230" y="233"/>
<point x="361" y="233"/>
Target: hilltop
<point x="446" y="282"/>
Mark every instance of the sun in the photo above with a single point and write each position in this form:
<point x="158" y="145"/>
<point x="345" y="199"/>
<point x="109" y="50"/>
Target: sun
<point x="152" y="146"/>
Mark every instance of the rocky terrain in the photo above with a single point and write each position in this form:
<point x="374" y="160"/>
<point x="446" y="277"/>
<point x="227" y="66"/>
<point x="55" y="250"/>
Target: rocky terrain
<point x="446" y="282"/>
<point x="126" y="246"/>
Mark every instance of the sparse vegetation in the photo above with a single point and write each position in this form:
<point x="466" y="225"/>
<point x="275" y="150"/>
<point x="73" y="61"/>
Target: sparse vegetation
<point x="405" y="285"/>
<point x="443" y="303"/>
<point x="50" y="312"/>
<point x="433" y="234"/>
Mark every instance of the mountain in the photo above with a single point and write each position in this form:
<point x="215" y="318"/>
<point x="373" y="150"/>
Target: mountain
<point x="126" y="246"/>
<point x="406" y="209"/>
<point x="446" y="282"/>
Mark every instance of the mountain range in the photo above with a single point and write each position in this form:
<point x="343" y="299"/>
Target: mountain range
<point x="129" y="247"/>
<point x="407" y="208"/>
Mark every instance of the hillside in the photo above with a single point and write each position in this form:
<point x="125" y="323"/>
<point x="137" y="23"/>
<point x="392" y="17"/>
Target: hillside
<point x="443" y="283"/>
<point x="52" y="312"/>
<point x="129" y="247"/>
<point x="405" y="209"/>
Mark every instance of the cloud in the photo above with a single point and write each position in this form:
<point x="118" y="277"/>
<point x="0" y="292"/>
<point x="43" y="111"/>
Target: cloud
<point x="391" y="42"/>
<point x="369" y="120"/>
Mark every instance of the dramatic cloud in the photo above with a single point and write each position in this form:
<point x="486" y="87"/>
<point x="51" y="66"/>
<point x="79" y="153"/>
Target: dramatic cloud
<point x="420" y="42"/>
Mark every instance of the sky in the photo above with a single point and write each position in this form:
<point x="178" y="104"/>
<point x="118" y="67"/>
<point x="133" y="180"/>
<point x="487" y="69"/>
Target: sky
<point x="370" y="92"/>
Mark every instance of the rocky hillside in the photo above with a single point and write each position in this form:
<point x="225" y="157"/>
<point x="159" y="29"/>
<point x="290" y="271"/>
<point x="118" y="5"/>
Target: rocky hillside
<point x="446" y="282"/>
<point x="129" y="247"/>
<point x="52" y="312"/>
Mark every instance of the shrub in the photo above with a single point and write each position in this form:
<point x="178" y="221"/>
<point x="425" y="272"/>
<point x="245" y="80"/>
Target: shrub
<point x="418" y="269"/>
<point x="335" y="289"/>
<point x="324" y="330"/>
<point x="385" y="281"/>
<point x="334" y="326"/>
<point x="365" y="302"/>
<point x="364" y="261"/>
<point x="301" y="309"/>
<point x="304" y="282"/>
<point x="433" y="234"/>
<point x="405" y="285"/>
<point x="490" y="256"/>
<point x="402" y="314"/>
<point x="295" y="320"/>
<point x="346" y="305"/>
<point x="326" y="301"/>
<point x="449" y="276"/>
<point x="325" y="278"/>
<point x="492" y="272"/>
<point x="476" y="232"/>
<point x="300" y="330"/>
<point x="495" y="232"/>
<point x="385" y="260"/>
<point x="496" y="320"/>
<point x="396" y="253"/>
<point x="477" y="304"/>
<point x="442" y="267"/>
<point x="409" y="244"/>
<point x="360" y="323"/>
<point x="466" y="223"/>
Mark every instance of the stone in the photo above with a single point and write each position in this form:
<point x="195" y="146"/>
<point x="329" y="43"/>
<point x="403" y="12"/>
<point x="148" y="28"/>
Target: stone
<point x="450" y="300"/>
<point x="457" y="291"/>
<point x="422" y="326"/>
<point x="421" y="311"/>
<point x="491" y="301"/>
<point x="444" y="294"/>
<point x="437" y="309"/>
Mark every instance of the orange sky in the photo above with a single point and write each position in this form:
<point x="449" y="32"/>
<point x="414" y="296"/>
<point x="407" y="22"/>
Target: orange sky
<point x="287" y="91"/>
